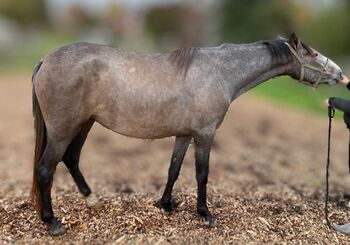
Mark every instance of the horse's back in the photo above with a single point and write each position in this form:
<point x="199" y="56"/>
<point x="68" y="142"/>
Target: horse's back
<point x="134" y="94"/>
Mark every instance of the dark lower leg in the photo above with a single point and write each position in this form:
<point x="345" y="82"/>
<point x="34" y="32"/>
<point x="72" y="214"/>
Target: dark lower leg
<point x="72" y="155"/>
<point x="44" y="171"/>
<point x="180" y="148"/>
<point x="202" y="171"/>
<point x="80" y="181"/>
<point x="45" y="175"/>
<point x="74" y="170"/>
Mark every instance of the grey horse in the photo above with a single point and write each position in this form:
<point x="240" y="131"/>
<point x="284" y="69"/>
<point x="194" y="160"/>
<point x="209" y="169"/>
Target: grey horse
<point x="185" y="93"/>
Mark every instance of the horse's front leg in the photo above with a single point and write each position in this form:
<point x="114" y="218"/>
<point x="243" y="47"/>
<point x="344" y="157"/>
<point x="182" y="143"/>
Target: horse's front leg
<point x="180" y="148"/>
<point x="202" y="152"/>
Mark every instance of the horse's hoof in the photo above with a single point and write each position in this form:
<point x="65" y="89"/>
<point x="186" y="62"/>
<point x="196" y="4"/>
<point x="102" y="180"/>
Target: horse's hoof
<point x="168" y="207"/>
<point x="57" y="229"/>
<point x="91" y="201"/>
<point x="210" y="221"/>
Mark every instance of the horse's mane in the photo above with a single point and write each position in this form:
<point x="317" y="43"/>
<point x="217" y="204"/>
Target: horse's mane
<point x="279" y="50"/>
<point x="182" y="58"/>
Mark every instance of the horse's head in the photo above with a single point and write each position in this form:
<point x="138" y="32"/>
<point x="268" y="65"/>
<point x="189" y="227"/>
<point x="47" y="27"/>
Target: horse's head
<point x="310" y="66"/>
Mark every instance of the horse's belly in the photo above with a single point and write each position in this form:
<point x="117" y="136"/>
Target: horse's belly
<point x="143" y="128"/>
<point x="143" y="113"/>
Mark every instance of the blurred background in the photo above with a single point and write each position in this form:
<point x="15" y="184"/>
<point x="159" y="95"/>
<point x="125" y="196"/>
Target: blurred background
<point x="30" y="29"/>
<point x="268" y="155"/>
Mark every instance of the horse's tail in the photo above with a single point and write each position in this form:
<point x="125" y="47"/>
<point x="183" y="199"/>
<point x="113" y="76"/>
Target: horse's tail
<point x="40" y="140"/>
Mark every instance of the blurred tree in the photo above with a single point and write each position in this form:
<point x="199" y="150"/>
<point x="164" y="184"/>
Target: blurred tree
<point x="25" y="13"/>
<point x="78" y="18"/>
<point x="181" y="24"/>
<point x="244" y="21"/>
<point x="329" y="31"/>
<point x="162" y="26"/>
<point x="325" y="29"/>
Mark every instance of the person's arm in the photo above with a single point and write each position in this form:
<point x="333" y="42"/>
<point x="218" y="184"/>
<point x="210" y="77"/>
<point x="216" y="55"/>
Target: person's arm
<point x="340" y="104"/>
<point x="346" y="82"/>
<point x="348" y="85"/>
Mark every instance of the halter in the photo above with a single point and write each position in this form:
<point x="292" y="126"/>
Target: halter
<point x="304" y="65"/>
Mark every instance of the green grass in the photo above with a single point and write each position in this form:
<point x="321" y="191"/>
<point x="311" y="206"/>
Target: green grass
<point x="28" y="52"/>
<point x="290" y="92"/>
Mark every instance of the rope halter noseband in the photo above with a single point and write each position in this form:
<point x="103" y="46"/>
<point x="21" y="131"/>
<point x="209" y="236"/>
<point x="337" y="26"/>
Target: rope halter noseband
<point x="304" y="65"/>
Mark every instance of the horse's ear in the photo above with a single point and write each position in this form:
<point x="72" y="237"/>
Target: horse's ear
<point x="281" y="38"/>
<point x="294" y="41"/>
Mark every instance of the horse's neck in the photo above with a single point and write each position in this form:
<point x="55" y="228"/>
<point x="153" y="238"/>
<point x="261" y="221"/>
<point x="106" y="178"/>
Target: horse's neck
<point x="245" y="66"/>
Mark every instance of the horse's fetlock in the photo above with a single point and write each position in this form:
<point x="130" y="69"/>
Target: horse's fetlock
<point x="202" y="209"/>
<point x="47" y="217"/>
<point x="166" y="203"/>
<point x="85" y="191"/>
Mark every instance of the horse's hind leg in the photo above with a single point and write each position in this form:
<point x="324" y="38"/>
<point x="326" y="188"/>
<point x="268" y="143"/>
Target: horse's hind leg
<point x="44" y="171"/>
<point x="180" y="148"/>
<point x="202" y="151"/>
<point x="71" y="160"/>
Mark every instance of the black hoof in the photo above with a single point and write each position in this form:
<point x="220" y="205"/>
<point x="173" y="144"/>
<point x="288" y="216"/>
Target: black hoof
<point x="166" y="206"/>
<point x="57" y="229"/>
<point x="210" y="221"/>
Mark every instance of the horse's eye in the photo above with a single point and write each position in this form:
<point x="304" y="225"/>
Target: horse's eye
<point x="316" y="54"/>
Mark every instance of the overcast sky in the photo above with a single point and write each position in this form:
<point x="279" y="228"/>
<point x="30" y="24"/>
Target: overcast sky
<point x="96" y="6"/>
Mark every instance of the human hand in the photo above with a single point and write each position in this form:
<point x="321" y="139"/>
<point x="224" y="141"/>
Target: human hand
<point x="326" y="102"/>
<point x="344" y="80"/>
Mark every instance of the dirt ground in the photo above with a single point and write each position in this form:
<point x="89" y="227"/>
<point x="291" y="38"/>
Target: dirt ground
<point x="266" y="182"/>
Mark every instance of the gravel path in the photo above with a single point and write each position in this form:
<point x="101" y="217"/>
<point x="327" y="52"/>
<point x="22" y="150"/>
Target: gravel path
<point x="266" y="182"/>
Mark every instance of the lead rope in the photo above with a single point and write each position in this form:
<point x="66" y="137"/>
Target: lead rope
<point x="330" y="117"/>
<point x="345" y="229"/>
<point x="349" y="154"/>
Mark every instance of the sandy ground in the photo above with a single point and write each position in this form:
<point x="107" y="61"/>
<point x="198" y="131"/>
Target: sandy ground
<point x="266" y="182"/>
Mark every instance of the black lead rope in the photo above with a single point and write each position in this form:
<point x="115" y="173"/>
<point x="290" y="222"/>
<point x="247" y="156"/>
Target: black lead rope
<point x="349" y="153"/>
<point x="345" y="228"/>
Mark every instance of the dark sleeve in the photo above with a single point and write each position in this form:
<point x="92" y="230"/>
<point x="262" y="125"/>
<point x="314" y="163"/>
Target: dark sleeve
<point x="348" y="86"/>
<point x="340" y="104"/>
<point x="346" y="118"/>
